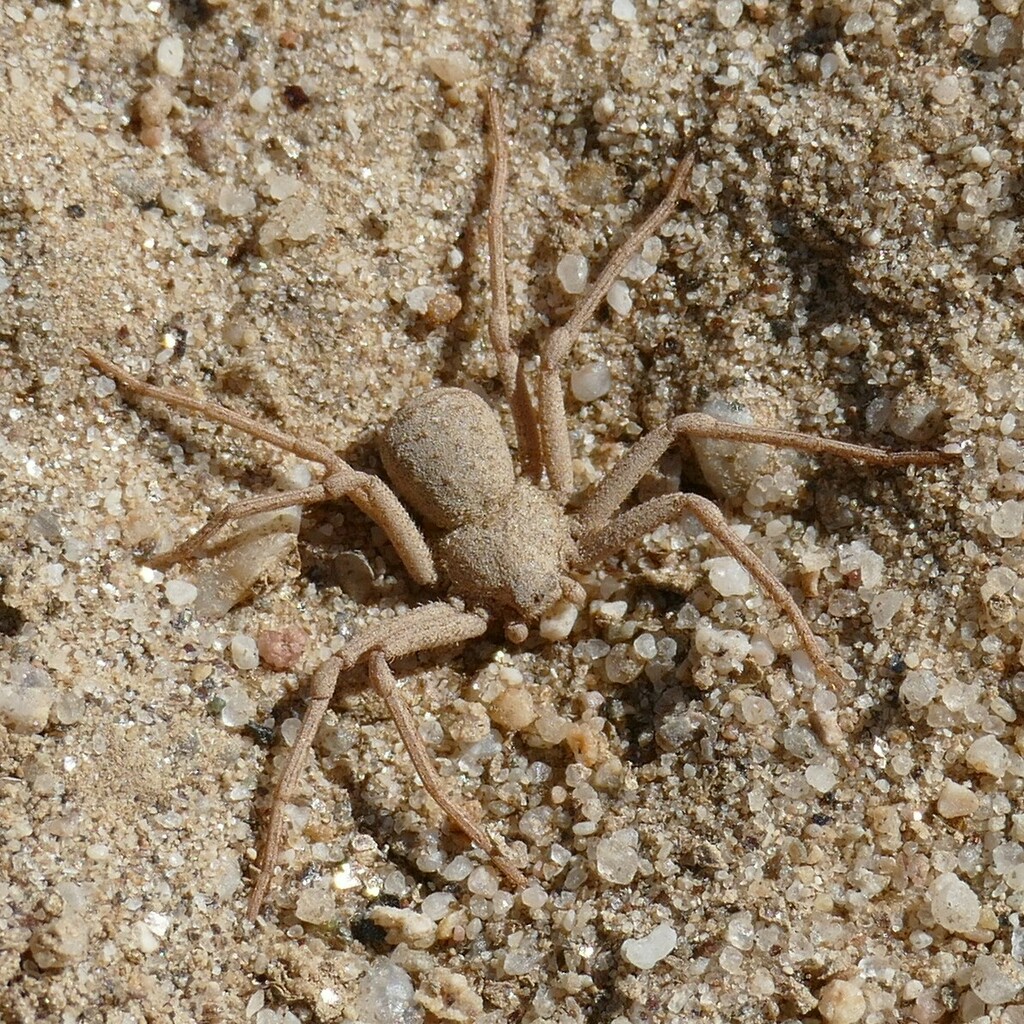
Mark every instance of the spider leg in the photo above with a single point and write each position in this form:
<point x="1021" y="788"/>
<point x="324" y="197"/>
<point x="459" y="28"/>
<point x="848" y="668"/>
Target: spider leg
<point x="644" y="455"/>
<point x="426" y="628"/>
<point x="620" y="531"/>
<point x="370" y="494"/>
<point x="513" y="380"/>
<point x="555" y="348"/>
<point x="383" y="681"/>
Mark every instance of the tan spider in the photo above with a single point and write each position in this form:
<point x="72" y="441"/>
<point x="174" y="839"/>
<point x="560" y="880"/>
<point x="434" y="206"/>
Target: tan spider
<point x="503" y="547"/>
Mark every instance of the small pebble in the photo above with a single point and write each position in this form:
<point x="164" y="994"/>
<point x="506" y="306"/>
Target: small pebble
<point x="841" y="1002"/>
<point x="70" y="708"/>
<point x="281" y="649"/>
<point x="916" y="418"/>
<point x="265" y="541"/>
<point x="154" y="105"/>
<point x="801" y="742"/>
<point x="261" y="98"/>
<point x="728" y="577"/>
<point x="409" y="926"/>
<point x="728" y="12"/>
<point x="868" y="565"/>
<point x="729" y="469"/>
<point x="442" y="309"/>
<point x="620" y="299"/>
<point x="60" y="942"/>
<point x="345" y="878"/>
<point x="946" y="90"/>
<point x="615" y="857"/>
<point x="919" y="689"/>
<point x="558" y="621"/>
<point x="520" y="961"/>
<point x="315" y="906"/>
<point x="756" y="710"/>
<point x="535" y="897"/>
<point x="590" y="382"/>
<point x="437" y="905"/>
<point x="457" y="869"/>
<point x="180" y="593"/>
<point x="159" y="924"/>
<point x="282" y="186"/>
<point x="998" y="37"/>
<point x="858" y="24"/>
<point x="960" y="12"/>
<point x="26" y="698"/>
<point x="980" y="157"/>
<point x="244" y="652"/>
<point x="386" y="995"/>
<point x="740" y="932"/>
<point x="988" y="756"/>
<point x="170" y="56"/>
<point x="417" y="298"/>
<point x="238" y="709"/>
<point x="646" y="646"/>
<point x="1007" y="521"/>
<point x="954" y="904"/>
<point x="820" y="778"/>
<point x="996" y="980"/>
<point x="146" y="941"/>
<point x="482" y="882"/>
<point x="448" y="997"/>
<point x="294" y="220"/>
<point x="604" y="109"/>
<point x="884" y="606"/>
<point x="639" y="268"/>
<point x="623" y="664"/>
<point x="451" y="68"/>
<point x="513" y="709"/>
<point x="956" y="801"/>
<point x="550" y="727"/>
<point x="644" y="953"/>
<point x="233" y="201"/>
<point x="572" y="273"/>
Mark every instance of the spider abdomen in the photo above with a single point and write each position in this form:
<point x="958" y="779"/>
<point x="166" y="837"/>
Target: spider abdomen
<point x="447" y="456"/>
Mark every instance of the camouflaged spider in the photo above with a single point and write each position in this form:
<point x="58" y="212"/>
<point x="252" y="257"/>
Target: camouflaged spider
<point x="504" y="546"/>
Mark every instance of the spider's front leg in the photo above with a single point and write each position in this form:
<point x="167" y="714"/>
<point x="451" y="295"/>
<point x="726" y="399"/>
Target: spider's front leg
<point x="429" y="627"/>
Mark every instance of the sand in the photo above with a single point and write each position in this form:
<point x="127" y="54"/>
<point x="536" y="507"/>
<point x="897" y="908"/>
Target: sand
<point x="277" y="205"/>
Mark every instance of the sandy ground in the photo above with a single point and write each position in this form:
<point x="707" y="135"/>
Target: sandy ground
<point x="257" y="202"/>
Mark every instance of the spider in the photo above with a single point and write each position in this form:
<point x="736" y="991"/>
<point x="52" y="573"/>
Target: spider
<point x="505" y="546"/>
